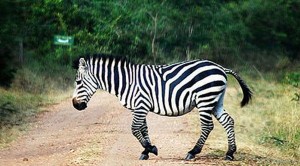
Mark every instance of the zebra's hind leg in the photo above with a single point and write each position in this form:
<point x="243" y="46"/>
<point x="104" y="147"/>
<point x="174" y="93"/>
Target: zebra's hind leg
<point x="140" y="131"/>
<point x="206" y="127"/>
<point x="228" y="123"/>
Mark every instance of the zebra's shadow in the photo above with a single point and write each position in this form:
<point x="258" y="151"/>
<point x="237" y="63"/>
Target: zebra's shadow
<point x="216" y="157"/>
<point x="199" y="160"/>
<point x="246" y="158"/>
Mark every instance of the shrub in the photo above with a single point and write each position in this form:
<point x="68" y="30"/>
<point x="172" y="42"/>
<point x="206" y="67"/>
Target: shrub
<point x="293" y="79"/>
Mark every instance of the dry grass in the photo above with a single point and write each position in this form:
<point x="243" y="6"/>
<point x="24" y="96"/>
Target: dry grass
<point x="19" y="108"/>
<point x="86" y="154"/>
<point x="267" y="130"/>
<point x="33" y="88"/>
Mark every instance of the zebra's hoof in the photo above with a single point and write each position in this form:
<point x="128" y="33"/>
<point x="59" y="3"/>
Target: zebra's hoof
<point x="190" y="156"/>
<point x="229" y="158"/>
<point x="154" y="150"/>
<point x="144" y="157"/>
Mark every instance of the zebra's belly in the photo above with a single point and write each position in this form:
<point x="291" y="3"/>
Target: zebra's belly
<point x="178" y="111"/>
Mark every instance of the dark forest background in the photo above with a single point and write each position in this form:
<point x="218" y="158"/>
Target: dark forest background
<point x="263" y="34"/>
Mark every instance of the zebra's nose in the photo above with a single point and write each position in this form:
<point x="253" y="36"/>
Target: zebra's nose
<point x="79" y="105"/>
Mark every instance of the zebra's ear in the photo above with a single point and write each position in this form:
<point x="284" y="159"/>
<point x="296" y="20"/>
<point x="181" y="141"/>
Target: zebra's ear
<point x="82" y="65"/>
<point x="82" y="62"/>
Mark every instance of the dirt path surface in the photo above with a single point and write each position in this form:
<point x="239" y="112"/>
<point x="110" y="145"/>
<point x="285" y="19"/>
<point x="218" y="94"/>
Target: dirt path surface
<point x="101" y="135"/>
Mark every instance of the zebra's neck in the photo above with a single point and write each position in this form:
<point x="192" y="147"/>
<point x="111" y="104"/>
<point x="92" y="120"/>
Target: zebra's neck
<point x="113" y="75"/>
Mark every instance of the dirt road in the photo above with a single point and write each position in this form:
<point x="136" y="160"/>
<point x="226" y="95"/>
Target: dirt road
<point x="101" y="135"/>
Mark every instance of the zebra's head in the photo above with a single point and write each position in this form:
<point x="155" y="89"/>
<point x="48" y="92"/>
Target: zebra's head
<point x="86" y="85"/>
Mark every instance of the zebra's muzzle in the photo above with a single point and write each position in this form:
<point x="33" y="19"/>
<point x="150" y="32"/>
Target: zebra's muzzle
<point x="79" y="105"/>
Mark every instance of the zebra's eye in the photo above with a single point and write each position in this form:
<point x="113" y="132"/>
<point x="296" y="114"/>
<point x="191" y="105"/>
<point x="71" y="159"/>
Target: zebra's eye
<point x="88" y="78"/>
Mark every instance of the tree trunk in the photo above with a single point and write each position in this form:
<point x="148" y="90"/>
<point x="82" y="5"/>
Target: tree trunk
<point x="21" y="51"/>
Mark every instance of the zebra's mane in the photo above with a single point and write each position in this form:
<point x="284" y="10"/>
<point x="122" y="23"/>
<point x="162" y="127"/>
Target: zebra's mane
<point x="98" y="56"/>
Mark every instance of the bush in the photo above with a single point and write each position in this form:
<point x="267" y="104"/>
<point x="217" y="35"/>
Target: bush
<point x="293" y="79"/>
<point x="29" y="81"/>
<point x="16" y="108"/>
<point x="44" y="77"/>
<point x="8" y="67"/>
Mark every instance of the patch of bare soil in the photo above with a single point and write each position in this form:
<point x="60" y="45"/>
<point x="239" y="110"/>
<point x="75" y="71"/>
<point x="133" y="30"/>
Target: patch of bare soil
<point x="101" y="135"/>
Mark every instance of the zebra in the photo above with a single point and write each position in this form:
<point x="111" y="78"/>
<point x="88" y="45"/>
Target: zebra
<point x="167" y="90"/>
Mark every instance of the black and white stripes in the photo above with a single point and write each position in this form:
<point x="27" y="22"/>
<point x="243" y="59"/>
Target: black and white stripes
<point x="169" y="90"/>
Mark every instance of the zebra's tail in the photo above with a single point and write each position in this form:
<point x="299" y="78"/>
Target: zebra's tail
<point x="246" y="90"/>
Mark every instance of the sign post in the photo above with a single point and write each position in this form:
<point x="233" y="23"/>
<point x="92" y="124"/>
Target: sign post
<point x="64" y="40"/>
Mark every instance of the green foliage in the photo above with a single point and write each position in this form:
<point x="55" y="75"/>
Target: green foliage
<point x="43" y="77"/>
<point x="293" y="79"/>
<point x="228" y="32"/>
<point x="8" y="39"/>
<point x="7" y="71"/>
<point x="273" y="25"/>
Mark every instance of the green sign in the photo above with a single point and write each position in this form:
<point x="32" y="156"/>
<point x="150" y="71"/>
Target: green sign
<point x="63" y="40"/>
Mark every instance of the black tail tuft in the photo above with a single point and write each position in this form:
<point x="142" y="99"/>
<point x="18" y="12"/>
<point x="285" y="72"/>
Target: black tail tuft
<point x="246" y="90"/>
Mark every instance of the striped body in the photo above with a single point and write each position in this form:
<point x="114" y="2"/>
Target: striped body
<point x="168" y="90"/>
<point x="171" y="90"/>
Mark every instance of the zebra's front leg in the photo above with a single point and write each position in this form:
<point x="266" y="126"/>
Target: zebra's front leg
<point x="140" y="131"/>
<point x="206" y="127"/>
<point x="144" y="131"/>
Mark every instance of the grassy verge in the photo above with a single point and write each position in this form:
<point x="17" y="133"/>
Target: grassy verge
<point x="17" y="109"/>
<point x="34" y="86"/>
<point x="268" y="130"/>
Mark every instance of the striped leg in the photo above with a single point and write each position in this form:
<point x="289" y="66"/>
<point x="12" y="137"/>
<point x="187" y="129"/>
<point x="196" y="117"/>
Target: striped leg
<point x="206" y="127"/>
<point x="144" y="131"/>
<point x="140" y="131"/>
<point x="228" y="123"/>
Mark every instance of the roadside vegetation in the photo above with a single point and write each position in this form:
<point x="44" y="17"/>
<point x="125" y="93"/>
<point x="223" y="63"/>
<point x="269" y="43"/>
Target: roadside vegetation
<point x="267" y="129"/>
<point x="258" y="38"/>
<point x="32" y="88"/>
